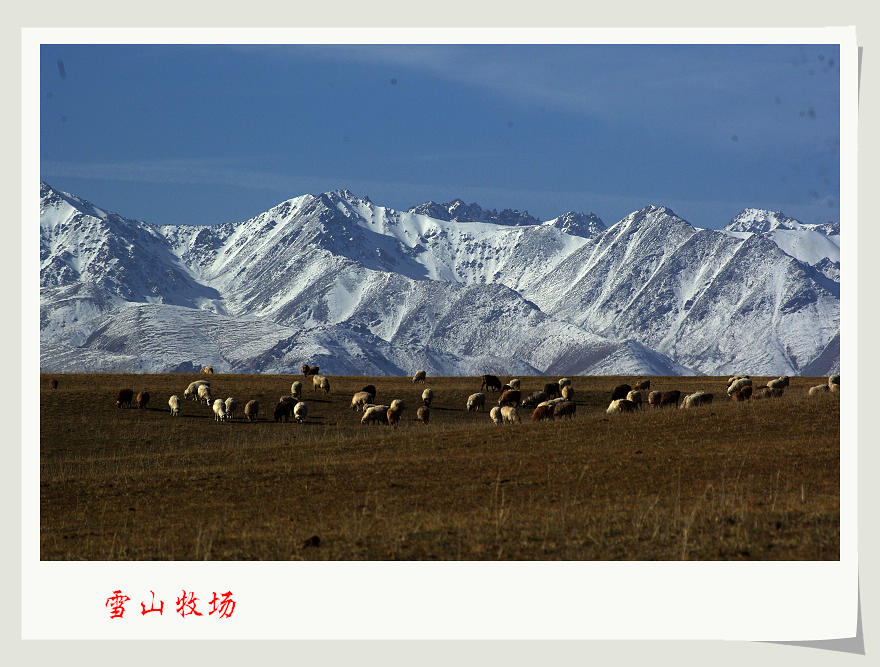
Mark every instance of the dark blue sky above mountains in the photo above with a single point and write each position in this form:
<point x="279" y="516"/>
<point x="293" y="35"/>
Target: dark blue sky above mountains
<point x="180" y="134"/>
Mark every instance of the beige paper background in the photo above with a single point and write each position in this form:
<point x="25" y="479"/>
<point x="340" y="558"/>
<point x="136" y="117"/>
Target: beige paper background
<point x="451" y="13"/>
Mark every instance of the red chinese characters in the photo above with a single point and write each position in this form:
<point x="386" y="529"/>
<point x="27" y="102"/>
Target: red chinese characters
<point x="116" y="602"/>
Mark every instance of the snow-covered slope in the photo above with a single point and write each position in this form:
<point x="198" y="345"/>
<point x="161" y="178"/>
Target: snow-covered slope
<point x="808" y="243"/>
<point x="337" y="280"/>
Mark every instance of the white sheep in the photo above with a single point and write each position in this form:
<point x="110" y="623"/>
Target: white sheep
<point x="476" y="402"/>
<point x="778" y="383"/>
<point x="360" y="399"/>
<point x="419" y="376"/>
<point x="219" y="410"/>
<point x="552" y="401"/>
<point x="834" y="382"/>
<point x="300" y="410"/>
<point x="296" y="389"/>
<point x="321" y="382"/>
<point x="495" y="415"/>
<point x="190" y="391"/>
<point x="394" y="411"/>
<point x="427" y="396"/>
<point x="818" y="389"/>
<point x="564" y="382"/>
<point x="636" y="397"/>
<point x="734" y="378"/>
<point x="205" y="394"/>
<point x="174" y="404"/>
<point x="738" y="384"/>
<point x="620" y="405"/>
<point x="514" y="383"/>
<point x="376" y="413"/>
<point x="697" y="398"/>
<point x="231" y="405"/>
<point x="509" y="414"/>
<point x="251" y="410"/>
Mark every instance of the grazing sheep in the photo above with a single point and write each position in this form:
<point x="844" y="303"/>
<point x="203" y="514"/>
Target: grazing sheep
<point x="174" y="404"/>
<point x="231" y="405"/>
<point x="568" y="392"/>
<point x="833" y="379"/>
<point x="219" y="410"/>
<point x="670" y="398"/>
<point x="283" y="410"/>
<point x="620" y="391"/>
<point x="300" y="410"/>
<point x="506" y="387"/>
<point x="321" y="382"/>
<point x="734" y="378"/>
<point x="419" y="376"/>
<point x="563" y="383"/>
<point x="654" y="398"/>
<point x="552" y="389"/>
<point x="191" y="391"/>
<point x="394" y="411"/>
<point x="371" y="390"/>
<point x="427" y="397"/>
<point x="620" y="405"/>
<point x="124" y="397"/>
<point x="476" y="402"/>
<point x="834" y="388"/>
<point x="738" y="384"/>
<point x="53" y="384"/>
<point x="745" y="393"/>
<point x="207" y="369"/>
<point x="514" y="384"/>
<point x="307" y="370"/>
<point x="360" y="399"/>
<point x="643" y="385"/>
<point x="564" y="409"/>
<point x="636" y="397"/>
<point x="542" y="412"/>
<point x="204" y="391"/>
<point x="251" y="410"/>
<point x="818" y="389"/>
<point x="376" y="413"/>
<point x="143" y="398"/>
<point x="495" y="415"/>
<point x="697" y="398"/>
<point x="761" y="392"/>
<point x="509" y="397"/>
<point x="552" y="401"/>
<point x="423" y="414"/>
<point x="296" y="389"/>
<point x="533" y="399"/>
<point x="778" y="383"/>
<point x="509" y="414"/>
<point x="490" y="383"/>
<point x="774" y="392"/>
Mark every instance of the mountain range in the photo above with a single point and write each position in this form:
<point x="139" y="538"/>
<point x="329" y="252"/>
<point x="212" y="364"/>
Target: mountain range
<point x="338" y="281"/>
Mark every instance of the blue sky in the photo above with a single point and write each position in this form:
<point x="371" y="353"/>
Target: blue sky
<point x="181" y="134"/>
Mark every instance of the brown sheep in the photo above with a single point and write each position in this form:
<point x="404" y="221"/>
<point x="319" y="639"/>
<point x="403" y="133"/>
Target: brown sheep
<point x="490" y="382"/>
<point x="744" y="393"/>
<point x="568" y="392"/>
<point x="53" y="384"/>
<point x="510" y="397"/>
<point x="423" y="414"/>
<point x="620" y="405"/>
<point x="305" y="369"/>
<point x="394" y="411"/>
<point x="542" y="412"/>
<point x="143" y="398"/>
<point x="620" y="391"/>
<point x="670" y="398"/>
<point x="124" y="397"/>
<point x="207" y="369"/>
<point x="252" y="410"/>
<point x="818" y="389"/>
<point x="565" y="409"/>
<point x="642" y="385"/>
<point x="654" y="398"/>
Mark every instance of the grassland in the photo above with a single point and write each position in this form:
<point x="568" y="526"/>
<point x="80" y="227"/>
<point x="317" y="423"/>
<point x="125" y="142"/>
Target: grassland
<point x="756" y="480"/>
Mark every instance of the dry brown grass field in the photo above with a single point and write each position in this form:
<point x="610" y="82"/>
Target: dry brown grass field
<point x="757" y="480"/>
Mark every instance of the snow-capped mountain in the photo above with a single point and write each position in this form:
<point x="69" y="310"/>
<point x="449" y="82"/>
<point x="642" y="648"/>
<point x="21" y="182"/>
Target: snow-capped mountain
<point x="359" y="288"/>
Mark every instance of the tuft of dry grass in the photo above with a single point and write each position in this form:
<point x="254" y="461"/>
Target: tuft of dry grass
<point x="756" y="480"/>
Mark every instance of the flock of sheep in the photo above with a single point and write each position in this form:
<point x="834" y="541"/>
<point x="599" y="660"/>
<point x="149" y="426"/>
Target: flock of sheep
<point x="554" y="401"/>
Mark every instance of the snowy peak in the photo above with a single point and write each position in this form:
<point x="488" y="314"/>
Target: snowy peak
<point x="458" y="211"/>
<point x="578" y="224"/>
<point x="761" y="221"/>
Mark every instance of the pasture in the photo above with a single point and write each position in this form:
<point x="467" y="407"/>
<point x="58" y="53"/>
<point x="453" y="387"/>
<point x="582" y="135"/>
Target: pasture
<point x="755" y="480"/>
